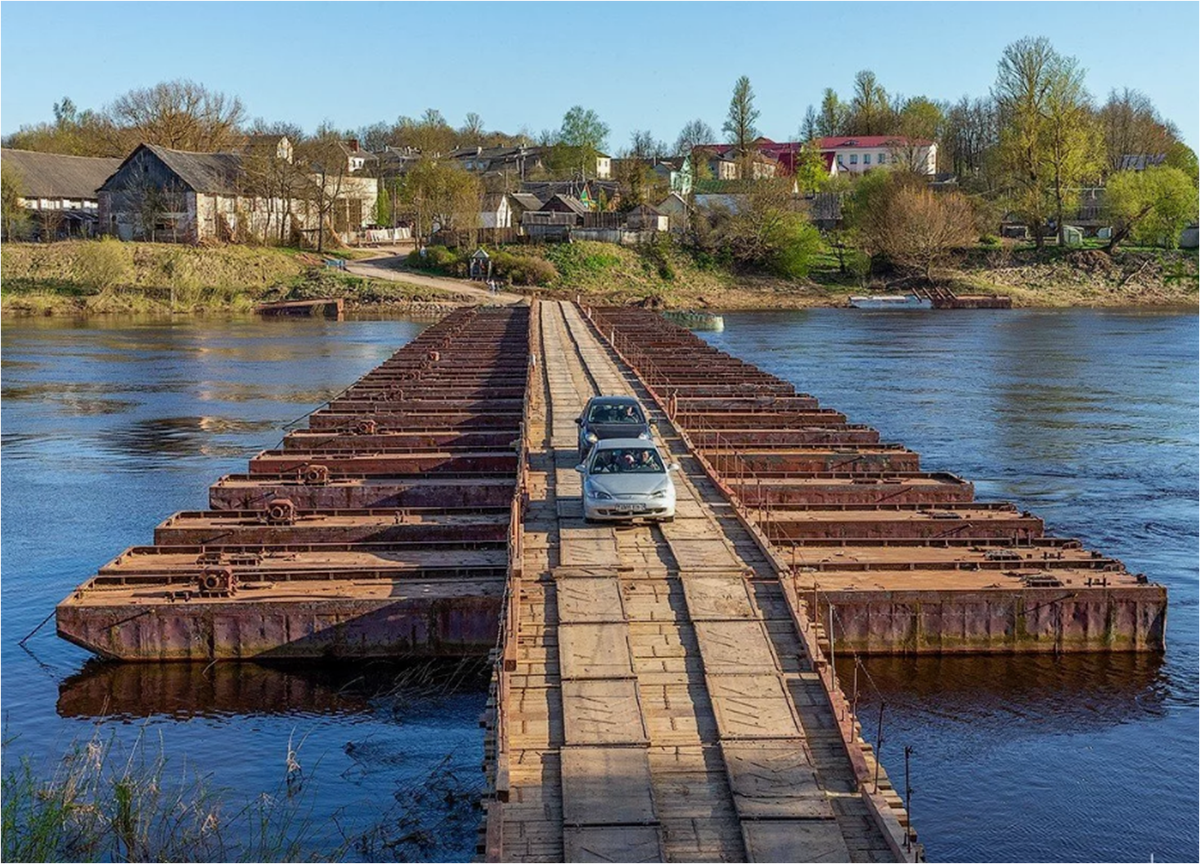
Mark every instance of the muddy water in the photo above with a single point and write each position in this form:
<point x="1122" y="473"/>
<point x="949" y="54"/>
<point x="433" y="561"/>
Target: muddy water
<point x="108" y="427"/>
<point x="1090" y="420"/>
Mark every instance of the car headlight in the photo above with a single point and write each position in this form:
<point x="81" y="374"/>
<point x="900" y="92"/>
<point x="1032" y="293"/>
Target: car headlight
<point x="661" y="493"/>
<point x="598" y="494"/>
<point x="645" y="436"/>
<point x="592" y="438"/>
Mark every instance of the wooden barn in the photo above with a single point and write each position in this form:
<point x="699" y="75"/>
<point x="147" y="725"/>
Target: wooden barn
<point x="59" y="191"/>
<point x="183" y="197"/>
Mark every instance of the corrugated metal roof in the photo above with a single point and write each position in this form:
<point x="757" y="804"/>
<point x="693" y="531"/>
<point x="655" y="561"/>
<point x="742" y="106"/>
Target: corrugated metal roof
<point x="53" y="175"/>
<point x="205" y="172"/>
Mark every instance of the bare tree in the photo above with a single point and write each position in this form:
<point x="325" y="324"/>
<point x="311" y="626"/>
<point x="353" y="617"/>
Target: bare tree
<point x="181" y="115"/>
<point x="695" y="133"/>
<point x="324" y="158"/>
<point x="904" y="221"/>
<point x="1132" y="127"/>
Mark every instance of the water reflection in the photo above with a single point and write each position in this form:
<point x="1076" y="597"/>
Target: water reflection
<point x="178" y="436"/>
<point x="103" y="689"/>
<point x="1042" y="694"/>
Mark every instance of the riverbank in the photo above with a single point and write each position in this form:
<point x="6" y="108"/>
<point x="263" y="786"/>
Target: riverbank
<point x="670" y="278"/>
<point x="91" y="278"/>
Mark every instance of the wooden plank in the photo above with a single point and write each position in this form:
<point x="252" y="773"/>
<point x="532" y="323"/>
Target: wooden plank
<point x="587" y="547"/>
<point x="594" y="651"/>
<point x="751" y="706"/>
<point x="585" y="599"/>
<point x="735" y="647"/>
<point x="717" y="598"/>
<point x="795" y="840"/>
<point x="606" y="786"/>
<point x="602" y="711"/>
<point x="630" y="843"/>
<point x="774" y="780"/>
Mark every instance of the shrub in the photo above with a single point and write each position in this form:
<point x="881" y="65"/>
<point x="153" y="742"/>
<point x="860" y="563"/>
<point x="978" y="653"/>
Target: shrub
<point x="105" y="264"/>
<point x="991" y="241"/>
<point x="900" y="219"/>
<point x="523" y="269"/>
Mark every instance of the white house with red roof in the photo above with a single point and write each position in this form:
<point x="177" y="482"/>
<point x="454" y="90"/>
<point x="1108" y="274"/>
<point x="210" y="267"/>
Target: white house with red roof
<point x="854" y="154"/>
<point x="860" y="153"/>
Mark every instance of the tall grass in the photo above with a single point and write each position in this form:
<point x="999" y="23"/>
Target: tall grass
<point x="102" y="802"/>
<point x="106" y="800"/>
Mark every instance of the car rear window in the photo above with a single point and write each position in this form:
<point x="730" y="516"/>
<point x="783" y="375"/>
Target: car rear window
<point x="619" y="413"/>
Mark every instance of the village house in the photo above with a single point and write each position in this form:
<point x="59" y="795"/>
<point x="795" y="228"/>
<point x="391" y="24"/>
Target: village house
<point x="593" y="194"/>
<point x="676" y="172"/>
<point x="603" y="166"/>
<point x="497" y="211"/>
<point x="60" y="191"/>
<point x="677" y="211"/>
<point x="842" y="154"/>
<point x="646" y="218"/>
<point x="859" y="154"/>
<point x="178" y="196"/>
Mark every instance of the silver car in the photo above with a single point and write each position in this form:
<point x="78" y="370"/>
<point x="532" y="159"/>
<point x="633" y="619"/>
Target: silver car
<point x="627" y="478"/>
<point x="610" y="417"/>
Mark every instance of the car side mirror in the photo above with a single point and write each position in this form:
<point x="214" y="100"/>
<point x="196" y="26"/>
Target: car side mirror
<point x="581" y="468"/>
<point x="674" y="466"/>
<point x="578" y="421"/>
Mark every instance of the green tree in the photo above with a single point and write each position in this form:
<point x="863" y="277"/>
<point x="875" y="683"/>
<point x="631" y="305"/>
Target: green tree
<point x="13" y="215"/>
<point x="834" y="116"/>
<point x="583" y="128"/>
<point x="1181" y="156"/>
<point x="1151" y="206"/>
<point x="765" y="233"/>
<point x="582" y="137"/>
<point x="811" y="173"/>
<point x="1072" y="146"/>
<point x="1021" y="92"/>
<point x="442" y="195"/>
<point x="870" y="111"/>
<point x="739" y="125"/>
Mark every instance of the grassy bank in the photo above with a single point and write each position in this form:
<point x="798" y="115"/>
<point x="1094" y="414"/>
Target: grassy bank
<point x="91" y="277"/>
<point x="669" y="277"/>
<point x="660" y="275"/>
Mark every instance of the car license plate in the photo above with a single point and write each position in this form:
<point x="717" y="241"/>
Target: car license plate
<point x="629" y="508"/>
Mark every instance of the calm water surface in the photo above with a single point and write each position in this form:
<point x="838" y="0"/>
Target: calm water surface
<point x="1091" y="420"/>
<point x="110" y="426"/>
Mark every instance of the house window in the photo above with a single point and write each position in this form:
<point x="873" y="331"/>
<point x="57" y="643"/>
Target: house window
<point x="866" y="158"/>
<point x="883" y="159"/>
<point x="853" y="158"/>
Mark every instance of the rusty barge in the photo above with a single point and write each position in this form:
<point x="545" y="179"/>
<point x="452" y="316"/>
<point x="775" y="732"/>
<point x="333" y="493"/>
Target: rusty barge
<point x="894" y="560"/>
<point x="383" y="529"/>
<point x="387" y="526"/>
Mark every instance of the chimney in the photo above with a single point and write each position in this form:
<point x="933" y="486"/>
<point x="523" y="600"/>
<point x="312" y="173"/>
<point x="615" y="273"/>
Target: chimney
<point x="352" y="143"/>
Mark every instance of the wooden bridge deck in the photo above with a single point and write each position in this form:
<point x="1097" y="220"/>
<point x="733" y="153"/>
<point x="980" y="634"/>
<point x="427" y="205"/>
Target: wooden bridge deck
<point x="664" y="703"/>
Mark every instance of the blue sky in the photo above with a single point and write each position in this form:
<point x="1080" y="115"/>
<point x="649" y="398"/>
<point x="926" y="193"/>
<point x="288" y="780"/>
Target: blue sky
<point x="639" y="65"/>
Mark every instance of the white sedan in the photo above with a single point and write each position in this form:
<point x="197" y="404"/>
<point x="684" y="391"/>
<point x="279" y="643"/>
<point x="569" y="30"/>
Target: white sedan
<point x="627" y="478"/>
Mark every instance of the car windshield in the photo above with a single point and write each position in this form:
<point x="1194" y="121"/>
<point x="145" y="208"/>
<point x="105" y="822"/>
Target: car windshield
<point x="628" y="460"/>
<point x="608" y="413"/>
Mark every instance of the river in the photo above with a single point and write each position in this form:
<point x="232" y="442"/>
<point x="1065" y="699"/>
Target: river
<point x="1087" y="418"/>
<point x="108" y="427"/>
